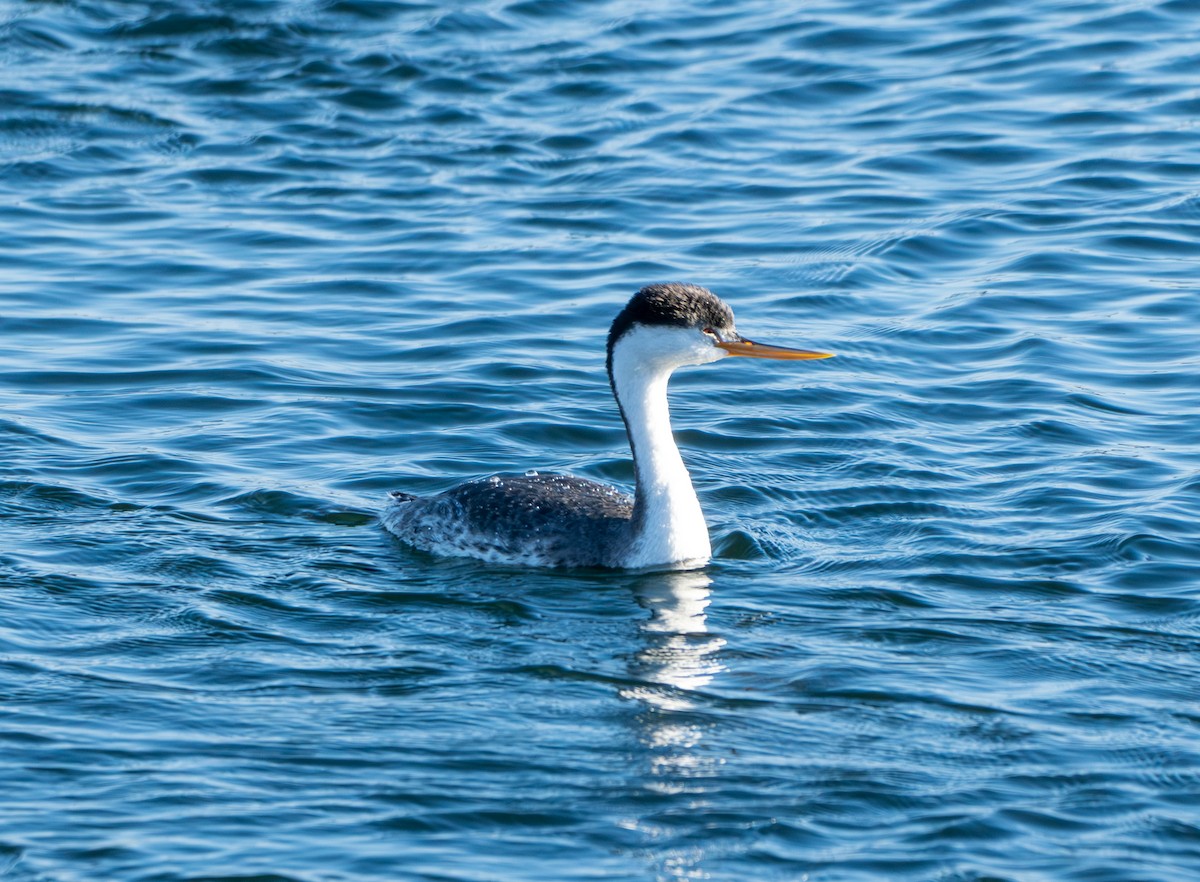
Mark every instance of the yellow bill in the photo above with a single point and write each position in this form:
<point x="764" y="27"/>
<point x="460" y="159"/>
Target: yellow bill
<point x="750" y="349"/>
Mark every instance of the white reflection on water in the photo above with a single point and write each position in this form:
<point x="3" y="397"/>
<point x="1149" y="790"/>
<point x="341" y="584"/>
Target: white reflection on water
<point x="678" y="659"/>
<point x="679" y="655"/>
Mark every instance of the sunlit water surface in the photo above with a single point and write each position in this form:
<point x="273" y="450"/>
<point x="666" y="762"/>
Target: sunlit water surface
<point x="265" y="261"/>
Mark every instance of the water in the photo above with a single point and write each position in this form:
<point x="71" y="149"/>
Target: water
<point x="263" y="262"/>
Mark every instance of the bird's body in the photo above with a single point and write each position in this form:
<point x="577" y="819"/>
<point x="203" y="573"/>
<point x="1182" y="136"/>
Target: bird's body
<point x="558" y="520"/>
<point x="534" y="520"/>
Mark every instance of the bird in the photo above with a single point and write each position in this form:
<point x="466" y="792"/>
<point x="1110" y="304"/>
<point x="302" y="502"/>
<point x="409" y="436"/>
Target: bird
<point x="552" y="520"/>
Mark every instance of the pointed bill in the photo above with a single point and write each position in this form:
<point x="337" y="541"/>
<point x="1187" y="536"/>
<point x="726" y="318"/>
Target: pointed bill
<point x="750" y="349"/>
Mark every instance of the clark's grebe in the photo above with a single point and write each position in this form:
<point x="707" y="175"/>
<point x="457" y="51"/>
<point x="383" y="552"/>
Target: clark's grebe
<point x="558" y="520"/>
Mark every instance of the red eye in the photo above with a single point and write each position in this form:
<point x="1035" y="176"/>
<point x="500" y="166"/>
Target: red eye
<point x="710" y="332"/>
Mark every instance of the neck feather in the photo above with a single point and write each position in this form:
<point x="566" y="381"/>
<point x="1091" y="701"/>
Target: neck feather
<point x="668" y="524"/>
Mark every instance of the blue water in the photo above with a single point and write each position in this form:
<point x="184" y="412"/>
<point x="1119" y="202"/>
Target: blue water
<point x="263" y="262"/>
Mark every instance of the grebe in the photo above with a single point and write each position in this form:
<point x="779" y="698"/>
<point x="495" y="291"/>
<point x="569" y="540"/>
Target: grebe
<point x="562" y="521"/>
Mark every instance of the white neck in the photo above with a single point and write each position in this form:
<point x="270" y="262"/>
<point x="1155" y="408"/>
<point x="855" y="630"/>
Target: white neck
<point x="668" y="523"/>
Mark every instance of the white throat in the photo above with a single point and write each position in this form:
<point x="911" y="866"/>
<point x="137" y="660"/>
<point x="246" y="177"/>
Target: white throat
<point x="669" y="525"/>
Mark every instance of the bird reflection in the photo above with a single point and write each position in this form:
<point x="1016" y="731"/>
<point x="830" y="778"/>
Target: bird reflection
<point x="679" y="654"/>
<point x="678" y="659"/>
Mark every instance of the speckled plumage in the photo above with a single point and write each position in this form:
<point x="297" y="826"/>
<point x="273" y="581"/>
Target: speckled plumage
<point x="547" y="520"/>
